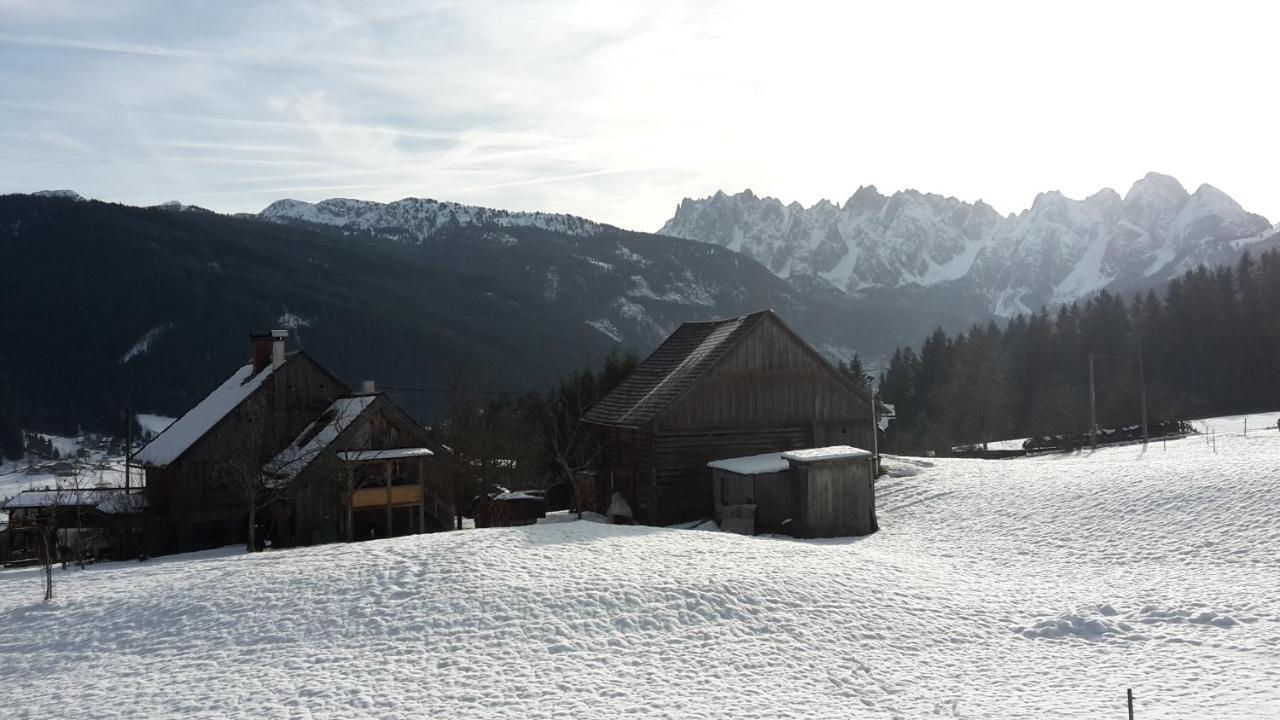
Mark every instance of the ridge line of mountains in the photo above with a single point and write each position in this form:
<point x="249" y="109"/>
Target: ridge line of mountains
<point x="147" y="307"/>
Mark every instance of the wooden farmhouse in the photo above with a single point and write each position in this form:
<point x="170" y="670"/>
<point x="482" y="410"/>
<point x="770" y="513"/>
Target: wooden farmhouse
<point x="326" y="463"/>
<point x="718" y="389"/>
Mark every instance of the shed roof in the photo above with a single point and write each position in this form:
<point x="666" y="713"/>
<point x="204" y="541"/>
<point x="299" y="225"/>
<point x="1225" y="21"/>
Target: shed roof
<point x="663" y="376"/>
<point x="106" y="500"/>
<point x="831" y="452"/>
<point x="383" y="454"/>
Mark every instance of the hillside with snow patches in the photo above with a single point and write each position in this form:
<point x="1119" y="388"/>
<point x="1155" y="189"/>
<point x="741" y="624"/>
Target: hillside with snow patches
<point x="1056" y="251"/>
<point x="1037" y="587"/>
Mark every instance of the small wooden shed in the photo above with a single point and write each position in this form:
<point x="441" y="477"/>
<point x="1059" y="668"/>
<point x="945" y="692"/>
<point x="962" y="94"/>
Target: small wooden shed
<point x="809" y="493"/>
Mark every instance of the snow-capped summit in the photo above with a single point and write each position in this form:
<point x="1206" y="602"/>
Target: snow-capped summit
<point x="1059" y="249"/>
<point x="68" y="194"/>
<point x="417" y="219"/>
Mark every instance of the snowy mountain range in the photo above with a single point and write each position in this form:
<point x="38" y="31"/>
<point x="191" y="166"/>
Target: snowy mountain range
<point x="1056" y="251"/>
<point x="419" y="219"/>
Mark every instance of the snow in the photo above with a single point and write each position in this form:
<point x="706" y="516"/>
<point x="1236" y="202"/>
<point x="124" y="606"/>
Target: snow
<point x="832" y="452"/>
<point x="106" y="500"/>
<point x="752" y="464"/>
<point x="143" y="344"/>
<point x="153" y="424"/>
<point x="1032" y="588"/>
<point x="318" y="435"/>
<point x="387" y="454"/>
<point x="192" y="426"/>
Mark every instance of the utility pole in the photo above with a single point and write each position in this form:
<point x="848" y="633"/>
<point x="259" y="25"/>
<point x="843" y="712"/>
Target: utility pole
<point x="1142" y="390"/>
<point x="128" y="445"/>
<point x="1093" y="408"/>
<point x="875" y="429"/>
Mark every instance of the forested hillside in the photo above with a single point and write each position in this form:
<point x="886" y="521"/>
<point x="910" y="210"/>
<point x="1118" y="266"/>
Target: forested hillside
<point x="106" y="306"/>
<point x="1210" y="345"/>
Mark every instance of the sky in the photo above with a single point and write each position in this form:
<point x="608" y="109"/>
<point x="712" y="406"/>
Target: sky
<point x="617" y="110"/>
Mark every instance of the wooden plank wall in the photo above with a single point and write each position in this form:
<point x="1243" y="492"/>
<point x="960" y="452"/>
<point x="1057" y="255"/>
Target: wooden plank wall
<point x="768" y="379"/>
<point x="839" y="498"/>
<point x="682" y="480"/>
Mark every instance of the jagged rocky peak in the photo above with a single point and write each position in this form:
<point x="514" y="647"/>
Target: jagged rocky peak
<point x="1058" y="249"/>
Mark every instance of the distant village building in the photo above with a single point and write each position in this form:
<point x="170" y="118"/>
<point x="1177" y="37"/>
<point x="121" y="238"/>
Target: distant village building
<point x="336" y="464"/>
<point x="712" y="390"/>
<point x="94" y="523"/>
<point x="804" y="493"/>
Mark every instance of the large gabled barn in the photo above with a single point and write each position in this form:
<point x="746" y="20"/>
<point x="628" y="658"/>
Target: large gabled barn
<point x="719" y="389"/>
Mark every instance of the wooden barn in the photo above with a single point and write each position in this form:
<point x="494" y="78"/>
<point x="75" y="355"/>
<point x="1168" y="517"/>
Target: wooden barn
<point x="718" y="389"/>
<point x="805" y="493"/>
<point x="331" y="464"/>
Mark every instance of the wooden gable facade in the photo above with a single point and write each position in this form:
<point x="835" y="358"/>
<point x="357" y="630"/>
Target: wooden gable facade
<point x="189" y="505"/>
<point x="719" y="389"/>
<point x="381" y="476"/>
<point x="341" y="466"/>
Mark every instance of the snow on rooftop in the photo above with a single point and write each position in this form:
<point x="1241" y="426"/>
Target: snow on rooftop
<point x="317" y="436"/>
<point x="386" y="454"/>
<point x="154" y="424"/>
<point x="832" y="452"/>
<point x="752" y="464"/>
<point x="182" y="434"/>
<point x="107" y="500"/>
<point x="779" y="461"/>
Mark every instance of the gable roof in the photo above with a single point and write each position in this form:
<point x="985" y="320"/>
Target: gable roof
<point x="682" y="358"/>
<point x="176" y="439"/>
<point x="318" y="435"/>
<point x="183" y="434"/>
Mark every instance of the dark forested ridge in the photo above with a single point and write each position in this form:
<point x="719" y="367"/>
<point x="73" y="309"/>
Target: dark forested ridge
<point x="1210" y="345"/>
<point x="105" y="306"/>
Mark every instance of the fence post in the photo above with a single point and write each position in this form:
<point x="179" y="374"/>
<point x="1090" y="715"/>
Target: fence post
<point x="1130" y="703"/>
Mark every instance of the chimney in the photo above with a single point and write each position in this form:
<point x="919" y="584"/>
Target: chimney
<point x="260" y="350"/>
<point x="277" y="348"/>
<point x="368" y="388"/>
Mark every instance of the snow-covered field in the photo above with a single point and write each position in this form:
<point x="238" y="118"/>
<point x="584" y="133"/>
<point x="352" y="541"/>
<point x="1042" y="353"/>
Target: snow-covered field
<point x="1031" y="588"/>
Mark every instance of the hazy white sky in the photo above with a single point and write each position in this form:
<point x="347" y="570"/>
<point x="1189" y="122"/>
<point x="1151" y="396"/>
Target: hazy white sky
<point x="616" y="110"/>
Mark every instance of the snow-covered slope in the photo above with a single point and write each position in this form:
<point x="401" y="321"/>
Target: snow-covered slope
<point x="1040" y="587"/>
<point x="418" y="219"/>
<point x="1058" y="250"/>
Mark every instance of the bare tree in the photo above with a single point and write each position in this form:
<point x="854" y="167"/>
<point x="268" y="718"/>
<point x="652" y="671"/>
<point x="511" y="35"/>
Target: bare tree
<point x="571" y="445"/>
<point x="248" y="474"/>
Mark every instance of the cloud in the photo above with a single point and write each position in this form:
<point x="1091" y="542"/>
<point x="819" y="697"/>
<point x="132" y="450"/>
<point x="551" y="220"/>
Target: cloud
<point x="615" y="110"/>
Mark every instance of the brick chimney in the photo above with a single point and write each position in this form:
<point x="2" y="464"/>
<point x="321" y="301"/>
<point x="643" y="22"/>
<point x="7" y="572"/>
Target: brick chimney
<point x="277" y="348"/>
<point x="368" y="387"/>
<point x="260" y="350"/>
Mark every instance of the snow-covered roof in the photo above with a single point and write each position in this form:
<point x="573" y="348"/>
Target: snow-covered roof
<point x="832" y="452"/>
<point x="519" y="495"/>
<point x="186" y="430"/>
<point x="106" y="500"/>
<point x="779" y="461"/>
<point x="317" y="436"/>
<point x="752" y="464"/>
<point x="153" y="424"/>
<point x="386" y="454"/>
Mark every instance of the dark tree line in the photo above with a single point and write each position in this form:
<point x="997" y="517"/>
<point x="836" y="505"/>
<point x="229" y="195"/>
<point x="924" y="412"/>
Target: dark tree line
<point x="526" y="441"/>
<point x="1210" y="345"/>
